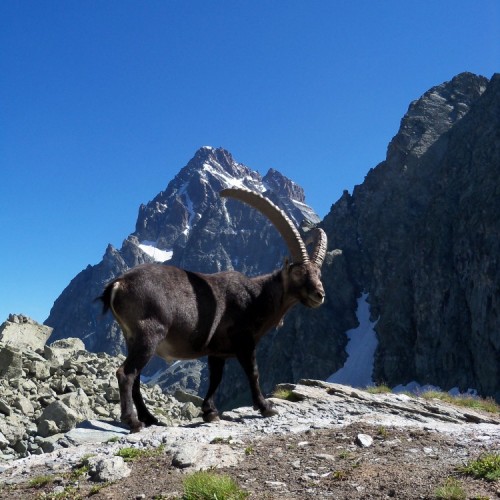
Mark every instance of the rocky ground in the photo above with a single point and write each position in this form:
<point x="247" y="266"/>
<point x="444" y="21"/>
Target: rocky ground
<point x="332" y="442"/>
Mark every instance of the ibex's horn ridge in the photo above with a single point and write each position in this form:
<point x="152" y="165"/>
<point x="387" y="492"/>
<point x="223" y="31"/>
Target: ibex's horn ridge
<point x="278" y="218"/>
<point x="318" y="239"/>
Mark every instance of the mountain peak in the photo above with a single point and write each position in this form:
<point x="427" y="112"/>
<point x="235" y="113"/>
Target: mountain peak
<point x="169" y="217"/>
<point x="283" y="186"/>
<point x="433" y="114"/>
<point x="215" y="155"/>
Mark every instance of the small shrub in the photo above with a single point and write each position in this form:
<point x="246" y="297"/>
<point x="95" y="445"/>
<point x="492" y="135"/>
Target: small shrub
<point x="451" y="490"/>
<point x="485" y="467"/>
<point x="345" y="454"/>
<point x="249" y="450"/>
<point x="81" y="468"/>
<point x="340" y="475"/>
<point x="221" y="440"/>
<point x="210" y="486"/>
<point x="97" y="488"/>
<point x="383" y="432"/>
<point x="130" y="454"/>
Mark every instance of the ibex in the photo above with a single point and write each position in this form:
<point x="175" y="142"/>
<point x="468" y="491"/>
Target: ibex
<point x="179" y="314"/>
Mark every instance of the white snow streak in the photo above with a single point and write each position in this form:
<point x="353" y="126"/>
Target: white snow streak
<point x="190" y="208"/>
<point x="358" y="368"/>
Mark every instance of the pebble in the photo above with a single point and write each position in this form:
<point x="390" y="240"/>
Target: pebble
<point x="364" y="440"/>
<point x="277" y="485"/>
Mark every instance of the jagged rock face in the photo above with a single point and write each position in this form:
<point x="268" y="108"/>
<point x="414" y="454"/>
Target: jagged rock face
<point x="421" y="235"/>
<point x="199" y="230"/>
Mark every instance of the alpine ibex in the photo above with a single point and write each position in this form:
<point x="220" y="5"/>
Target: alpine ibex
<point x="179" y="314"/>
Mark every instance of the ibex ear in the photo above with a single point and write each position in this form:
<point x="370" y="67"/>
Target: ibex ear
<point x="286" y="264"/>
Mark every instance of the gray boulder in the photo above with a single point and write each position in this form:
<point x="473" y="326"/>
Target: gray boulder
<point x="57" y="412"/>
<point x="61" y="350"/>
<point x="22" y="331"/>
<point x="108" y="469"/>
<point x="11" y="363"/>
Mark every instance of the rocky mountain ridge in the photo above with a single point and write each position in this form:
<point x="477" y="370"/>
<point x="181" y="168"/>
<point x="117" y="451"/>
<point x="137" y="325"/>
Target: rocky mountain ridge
<point x="423" y="436"/>
<point x="58" y="414"/>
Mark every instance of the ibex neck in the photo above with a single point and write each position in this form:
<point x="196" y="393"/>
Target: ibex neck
<point x="273" y="298"/>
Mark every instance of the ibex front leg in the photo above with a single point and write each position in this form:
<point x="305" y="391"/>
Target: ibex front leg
<point x="248" y="360"/>
<point x="215" y="370"/>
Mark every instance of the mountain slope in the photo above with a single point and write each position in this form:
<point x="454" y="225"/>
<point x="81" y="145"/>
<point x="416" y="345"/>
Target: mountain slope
<point x="421" y="236"/>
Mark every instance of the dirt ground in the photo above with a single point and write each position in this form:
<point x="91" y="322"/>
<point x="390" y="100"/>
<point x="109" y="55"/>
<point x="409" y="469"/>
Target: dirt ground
<point x="402" y="464"/>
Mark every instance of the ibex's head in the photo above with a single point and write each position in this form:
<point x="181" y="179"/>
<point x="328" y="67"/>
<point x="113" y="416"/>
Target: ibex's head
<point x="303" y="275"/>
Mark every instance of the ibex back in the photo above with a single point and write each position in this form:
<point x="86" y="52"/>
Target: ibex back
<point x="179" y="314"/>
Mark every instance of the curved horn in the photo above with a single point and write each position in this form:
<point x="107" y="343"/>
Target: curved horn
<point x="318" y="240"/>
<point x="280" y="220"/>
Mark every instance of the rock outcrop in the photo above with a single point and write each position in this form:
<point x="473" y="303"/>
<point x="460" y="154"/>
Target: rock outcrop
<point x="22" y="331"/>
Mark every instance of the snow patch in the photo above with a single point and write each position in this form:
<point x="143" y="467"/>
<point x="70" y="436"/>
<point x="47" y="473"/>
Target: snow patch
<point x="358" y="368"/>
<point x="150" y="248"/>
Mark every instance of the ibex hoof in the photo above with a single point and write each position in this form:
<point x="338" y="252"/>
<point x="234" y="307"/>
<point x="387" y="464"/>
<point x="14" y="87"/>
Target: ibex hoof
<point x="151" y="421"/>
<point x="136" y="427"/>
<point x="269" y="412"/>
<point x="211" y="416"/>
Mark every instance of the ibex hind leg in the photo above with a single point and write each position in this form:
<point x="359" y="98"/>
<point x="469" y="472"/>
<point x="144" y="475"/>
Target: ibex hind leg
<point x="128" y="376"/>
<point x="215" y="368"/>
<point x="144" y="415"/>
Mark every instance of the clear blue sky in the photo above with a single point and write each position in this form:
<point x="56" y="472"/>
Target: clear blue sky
<point x="102" y="102"/>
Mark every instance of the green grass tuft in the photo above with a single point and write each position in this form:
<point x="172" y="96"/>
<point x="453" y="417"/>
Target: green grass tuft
<point x="286" y="394"/>
<point x="464" y="401"/>
<point x="130" y="454"/>
<point x="378" y="389"/>
<point x="451" y="490"/>
<point x="210" y="486"/>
